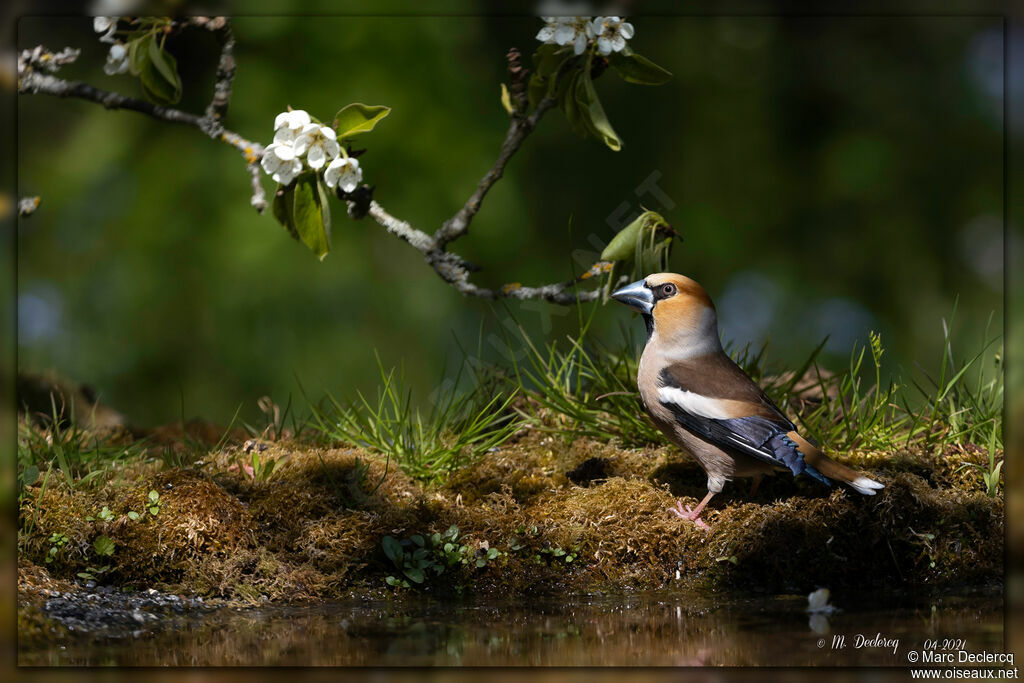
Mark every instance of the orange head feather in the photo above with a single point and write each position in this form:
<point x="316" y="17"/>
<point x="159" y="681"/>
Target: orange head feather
<point x="679" y="312"/>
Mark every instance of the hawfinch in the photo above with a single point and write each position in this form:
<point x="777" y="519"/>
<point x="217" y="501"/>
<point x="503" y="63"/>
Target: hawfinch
<point x="706" y="404"/>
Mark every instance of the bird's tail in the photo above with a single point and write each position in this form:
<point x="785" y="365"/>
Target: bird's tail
<point x="814" y="457"/>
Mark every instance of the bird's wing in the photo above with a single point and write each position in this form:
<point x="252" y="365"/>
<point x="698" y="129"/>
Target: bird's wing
<point x="737" y="424"/>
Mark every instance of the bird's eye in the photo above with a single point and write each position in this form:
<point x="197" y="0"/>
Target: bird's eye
<point x="668" y="289"/>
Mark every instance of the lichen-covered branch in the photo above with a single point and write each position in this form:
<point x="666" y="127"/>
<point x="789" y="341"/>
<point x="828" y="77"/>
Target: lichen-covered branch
<point x="518" y="129"/>
<point x="218" y="106"/>
<point x="259" y="197"/>
<point x="38" y="82"/>
<point x="452" y="268"/>
<point x="455" y="271"/>
<point x="36" y="69"/>
<point x="36" y="75"/>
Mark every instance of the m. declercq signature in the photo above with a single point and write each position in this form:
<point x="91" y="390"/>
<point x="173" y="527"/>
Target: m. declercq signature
<point x="861" y="641"/>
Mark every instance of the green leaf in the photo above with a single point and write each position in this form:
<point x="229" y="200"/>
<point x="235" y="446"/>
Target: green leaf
<point x="103" y="545"/>
<point x="154" y="497"/>
<point x="29" y="475"/>
<point x="392" y="581"/>
<point x="321" y="190"/>
<point x="392" y="548"/>
<point x="155" y="510"/>
<point x="267" y="470"/>
<point x="623" y="245"/>
<point x="492" y="553"/>
<point x="282" y="208"/>
<point x="567" y="101"/>
<point x="166" y="65"/>
<point x="133" y="515"/>
<point x="158" y="72"/>
<point x="308" y="215"/>
<point x="536" y="90"/>
<point x="138" y="54"/>
<point x="636" y="68"/>
<point x="358" y="118"/>
<point x="592" y="113"/>
<point x="415" y="575"/>
<point x="547" y="63"/>
<point x="548" y="58"/>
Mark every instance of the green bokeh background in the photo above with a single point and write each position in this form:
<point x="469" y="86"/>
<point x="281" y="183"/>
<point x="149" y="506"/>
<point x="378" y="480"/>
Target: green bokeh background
<point x="829" y="176"/>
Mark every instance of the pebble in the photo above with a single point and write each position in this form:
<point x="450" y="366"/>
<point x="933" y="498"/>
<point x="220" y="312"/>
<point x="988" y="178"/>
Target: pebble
<point x="105" y="611"/>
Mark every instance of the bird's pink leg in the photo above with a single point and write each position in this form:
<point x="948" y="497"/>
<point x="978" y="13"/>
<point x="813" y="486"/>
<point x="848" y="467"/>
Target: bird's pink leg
<point x="694" y="514"/>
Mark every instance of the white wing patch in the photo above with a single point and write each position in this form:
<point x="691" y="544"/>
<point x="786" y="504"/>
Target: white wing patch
<point x="695" y="404"/>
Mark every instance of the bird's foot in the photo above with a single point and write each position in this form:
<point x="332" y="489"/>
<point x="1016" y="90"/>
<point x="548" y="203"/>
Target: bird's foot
<point x="689" y="514"/>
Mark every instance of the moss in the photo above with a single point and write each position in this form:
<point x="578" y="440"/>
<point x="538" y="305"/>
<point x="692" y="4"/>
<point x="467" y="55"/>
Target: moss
<point x="313" y="530"/>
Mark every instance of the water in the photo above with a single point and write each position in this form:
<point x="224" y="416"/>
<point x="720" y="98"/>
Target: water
<point x="661" y="628"/>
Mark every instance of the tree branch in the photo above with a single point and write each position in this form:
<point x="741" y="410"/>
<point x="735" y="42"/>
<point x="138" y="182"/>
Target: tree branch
<point x="453" y="270"/>
<point x="518" y="129"/>
<point x="218" y="106"/>
<point x="35" y="82"/>
<point x="259" y="197"/>
<point x="36" y="76"/>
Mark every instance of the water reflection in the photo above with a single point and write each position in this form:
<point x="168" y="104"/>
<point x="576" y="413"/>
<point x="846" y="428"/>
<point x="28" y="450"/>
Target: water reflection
<point x="667" y="629"/>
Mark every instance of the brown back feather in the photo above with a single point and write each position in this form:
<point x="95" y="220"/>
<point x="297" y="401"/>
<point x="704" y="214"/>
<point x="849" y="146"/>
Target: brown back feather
<point x="721" y="378"/>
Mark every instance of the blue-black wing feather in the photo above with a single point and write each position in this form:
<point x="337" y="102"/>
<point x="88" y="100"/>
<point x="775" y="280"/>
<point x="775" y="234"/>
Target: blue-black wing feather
<point x="759" y="437"/>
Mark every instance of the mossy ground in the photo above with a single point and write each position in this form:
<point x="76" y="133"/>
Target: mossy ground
<point x="313" y="530"/>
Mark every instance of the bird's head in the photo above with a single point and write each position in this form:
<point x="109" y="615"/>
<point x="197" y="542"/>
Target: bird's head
<point x="676" y="309"/>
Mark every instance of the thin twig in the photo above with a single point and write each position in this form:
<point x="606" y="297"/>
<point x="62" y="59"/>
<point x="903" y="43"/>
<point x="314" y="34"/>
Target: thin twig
<point x="34" y="81"/>
<point x="218" y="106"/>
<point x="259" y="197"/>
<point x="518" y="129"/>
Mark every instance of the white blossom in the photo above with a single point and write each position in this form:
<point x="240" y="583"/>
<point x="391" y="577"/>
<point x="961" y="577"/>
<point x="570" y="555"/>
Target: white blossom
<point x="547" y="34"/>
<point x="344" y="172"/>
<point x="281" y="162"/>
<point x="106" y="26"/>
<point x="117" y="60"/>
<point x="611" y="33"/>
<point x="575" y="31"/>
<point x="318" y="143"/>
<point x="288" y="125"/>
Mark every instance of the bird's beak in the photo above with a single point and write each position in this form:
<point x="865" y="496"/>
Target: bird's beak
<point x="637" y="296"/>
